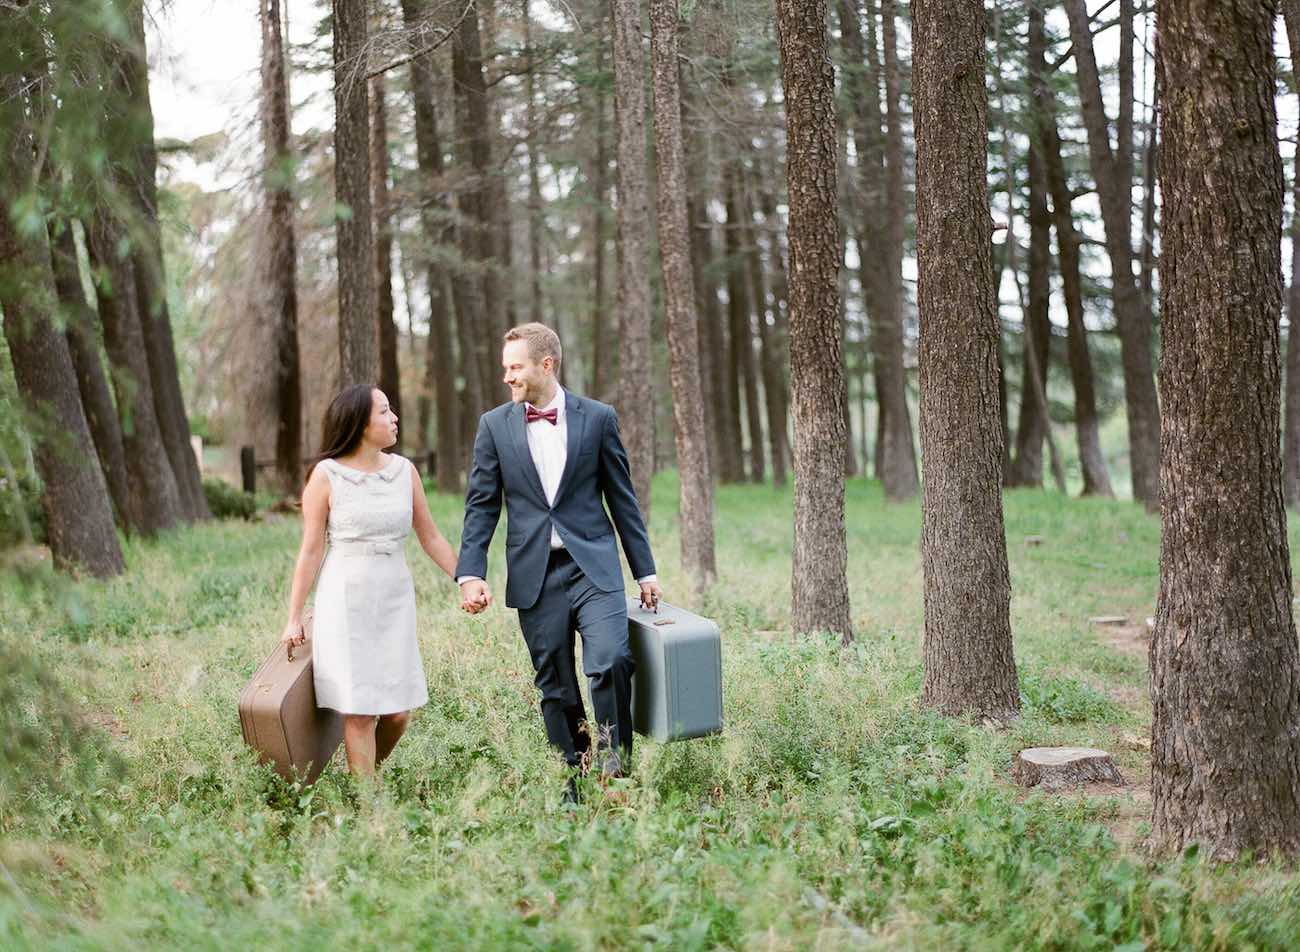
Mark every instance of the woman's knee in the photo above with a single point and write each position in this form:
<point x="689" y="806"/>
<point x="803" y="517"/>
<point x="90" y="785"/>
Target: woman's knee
<point x="353" y="723"/>
<point x="398" y="720"/>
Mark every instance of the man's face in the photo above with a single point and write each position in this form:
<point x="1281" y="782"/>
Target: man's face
<point x="530" y="381"/>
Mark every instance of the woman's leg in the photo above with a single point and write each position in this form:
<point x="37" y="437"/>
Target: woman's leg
<point x="390" y="729"/>
<point x="359" y="742"/>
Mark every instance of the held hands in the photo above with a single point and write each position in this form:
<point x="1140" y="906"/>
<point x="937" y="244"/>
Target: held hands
<point x="475" y="595"/>
<point x="650" y="595"/>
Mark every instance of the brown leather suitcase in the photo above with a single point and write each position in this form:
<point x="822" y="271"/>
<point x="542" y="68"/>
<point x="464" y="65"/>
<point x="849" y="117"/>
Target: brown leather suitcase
<point x="280" y="719"/>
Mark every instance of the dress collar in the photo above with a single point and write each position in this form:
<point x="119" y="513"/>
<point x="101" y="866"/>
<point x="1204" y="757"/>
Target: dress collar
<point x="357" y="476"/>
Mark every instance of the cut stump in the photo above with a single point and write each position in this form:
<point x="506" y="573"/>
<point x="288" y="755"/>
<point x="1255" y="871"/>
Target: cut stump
<point x="1063" y="768"/>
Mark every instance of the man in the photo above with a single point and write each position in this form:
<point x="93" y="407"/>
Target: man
<point x="553" y="456"/>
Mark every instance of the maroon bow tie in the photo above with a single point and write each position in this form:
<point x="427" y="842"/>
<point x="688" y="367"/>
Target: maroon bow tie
<point x="551" y="416"/>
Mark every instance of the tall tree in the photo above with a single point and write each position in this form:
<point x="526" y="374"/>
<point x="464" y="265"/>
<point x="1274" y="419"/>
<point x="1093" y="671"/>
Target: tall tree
<point x="79" y="519"/>
<point x="138" y="164"/>
<point x="1112" y="172"/>
<point x="535" y="214"/>
<point x="358" y="338"/>
<point x="742" y="380"/>
<point x="279" y="277"/>
<point x="898" y="472"/>
<point x="602" y="364"/>
<point x="880" y="236"/>
<point x="696" y="482"/>
<point x="635" y="400"/>
<point x="969" y="666"/>
<point x="1092" y="462"/>
<point x="440" y="365"/>
<point x="1225" y="661"/>
<point x="475" y="322"/>
<point x="773" y="367"/>
<point x="820" y="581"/>
<point x="380" y="205"/>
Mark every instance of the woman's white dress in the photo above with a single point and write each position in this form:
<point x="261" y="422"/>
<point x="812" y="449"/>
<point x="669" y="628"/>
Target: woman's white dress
<point x="364" y="650"/>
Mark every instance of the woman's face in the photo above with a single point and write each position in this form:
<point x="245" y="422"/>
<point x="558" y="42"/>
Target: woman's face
<point x="381" y="431"/>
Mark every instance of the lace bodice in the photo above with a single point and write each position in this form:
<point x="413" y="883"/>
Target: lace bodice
<point x="369" y="507"/>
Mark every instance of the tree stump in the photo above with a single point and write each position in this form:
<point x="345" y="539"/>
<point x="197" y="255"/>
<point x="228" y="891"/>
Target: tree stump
<point x="1062" y="768"/>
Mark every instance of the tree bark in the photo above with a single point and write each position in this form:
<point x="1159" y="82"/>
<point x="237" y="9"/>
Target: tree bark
<point x="1096" y="478"/>
<point x="358" y="337"/>
<point x="137" y="164"/>
<point x="969" y="666"/>
<point x="696" y="482"/>
<point x="535" y="214"/>
<point x="389" y="377"/>
<point x="440" y="358"/>
<point x="1225" y="662"/>
<point x="1134" y="321"/>
<point x="820" y="582"/>
<point x="498" y="250"/>
<point x="635" y="402"/>
<point x="279" y="256"/>
<point x="79" y="519"/>
<point x="602" y="367"/>
<point x="80" y="323"/>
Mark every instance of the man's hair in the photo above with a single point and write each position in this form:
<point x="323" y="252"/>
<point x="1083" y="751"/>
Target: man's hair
<point x="542" y="341"/>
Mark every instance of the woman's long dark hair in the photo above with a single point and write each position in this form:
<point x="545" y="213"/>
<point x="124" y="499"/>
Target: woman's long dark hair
<point x="345" y="421"/>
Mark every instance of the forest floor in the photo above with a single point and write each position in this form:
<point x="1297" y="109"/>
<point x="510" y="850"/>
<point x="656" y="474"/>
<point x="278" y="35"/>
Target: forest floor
<point x="832" y="812"/>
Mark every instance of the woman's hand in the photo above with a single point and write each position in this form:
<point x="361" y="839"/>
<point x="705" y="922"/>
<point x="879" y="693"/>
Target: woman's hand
<point x="293" y="636"/>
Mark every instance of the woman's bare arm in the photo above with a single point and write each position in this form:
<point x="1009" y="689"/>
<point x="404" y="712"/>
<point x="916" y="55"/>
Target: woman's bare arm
<point x="315" y="515"/>
<point x="431" y="540"/>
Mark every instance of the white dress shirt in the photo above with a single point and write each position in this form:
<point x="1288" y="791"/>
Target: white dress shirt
<point x="549" y="447"/>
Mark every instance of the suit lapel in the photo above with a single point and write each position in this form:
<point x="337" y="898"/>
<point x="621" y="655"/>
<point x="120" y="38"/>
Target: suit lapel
<point x="519" y="436"/>
<point x="577" y="422"/>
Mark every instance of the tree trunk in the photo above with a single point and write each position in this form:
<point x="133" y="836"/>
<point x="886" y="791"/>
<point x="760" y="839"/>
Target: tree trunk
<point x="880" y="170"/>
<point x="1096" y="478"/>
<point x="1134" y="321"/>
<point x="1225" y="662"/>
<point x="780" y="299"/>
<point x="820" y="582"/>
<point x="969" y="666"/>
<point x="696" y="489"/>
<point x="83" y="347"/>
<point x="535" y="220"/>
<point x="440" y="358"/>
<point x="279" y="256"/>
<point x="474" y="321"/>
<point x="137" y="169"/>
<point x="635" y="401"/>
<point x="742" y="377"/>
<point x="898" y="472"/>
<point x="358" y="338"/>
<point x="1031" y="428"/>
<point x="602" y="366"/>
<point x="773" y="368"/>
<point x="79" y="519"/>
<point x="389" y="377"/>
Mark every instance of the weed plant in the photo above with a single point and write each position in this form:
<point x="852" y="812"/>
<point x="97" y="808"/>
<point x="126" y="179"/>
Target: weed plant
<point x="833" y="812"/>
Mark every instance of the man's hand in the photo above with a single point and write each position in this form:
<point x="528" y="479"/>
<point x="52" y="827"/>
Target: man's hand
<point x="650" y="595"/>
<point x="474" y="595"/>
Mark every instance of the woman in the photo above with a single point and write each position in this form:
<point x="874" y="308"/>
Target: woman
<point x="363" y="502"/>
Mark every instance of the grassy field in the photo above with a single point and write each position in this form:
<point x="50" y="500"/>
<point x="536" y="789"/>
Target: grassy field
<point x="833" y="812"/>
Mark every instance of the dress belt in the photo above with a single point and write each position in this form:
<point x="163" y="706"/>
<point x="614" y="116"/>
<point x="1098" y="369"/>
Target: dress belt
<point x="366" y="548"/>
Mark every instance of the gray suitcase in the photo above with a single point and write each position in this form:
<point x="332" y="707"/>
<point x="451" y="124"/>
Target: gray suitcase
<point x="677" y="688"/>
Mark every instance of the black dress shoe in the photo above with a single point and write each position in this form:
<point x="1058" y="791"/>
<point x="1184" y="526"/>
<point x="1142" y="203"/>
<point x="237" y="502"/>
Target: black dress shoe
<point x="571" y="796"/>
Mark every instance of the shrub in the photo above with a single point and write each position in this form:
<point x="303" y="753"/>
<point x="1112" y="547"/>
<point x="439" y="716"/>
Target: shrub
<point x="227" y="502"/>
<point x="21" y="511"/>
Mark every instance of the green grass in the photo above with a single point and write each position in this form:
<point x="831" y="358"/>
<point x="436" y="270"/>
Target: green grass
<point x="833" y="810"/>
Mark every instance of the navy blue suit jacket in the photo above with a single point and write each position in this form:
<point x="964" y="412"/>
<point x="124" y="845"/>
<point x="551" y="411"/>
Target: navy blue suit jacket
<point x="595" y="468"/>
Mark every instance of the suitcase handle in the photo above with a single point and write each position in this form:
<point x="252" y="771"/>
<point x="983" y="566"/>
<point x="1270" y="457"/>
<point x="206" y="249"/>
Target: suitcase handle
<point x="664" y="621"/>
